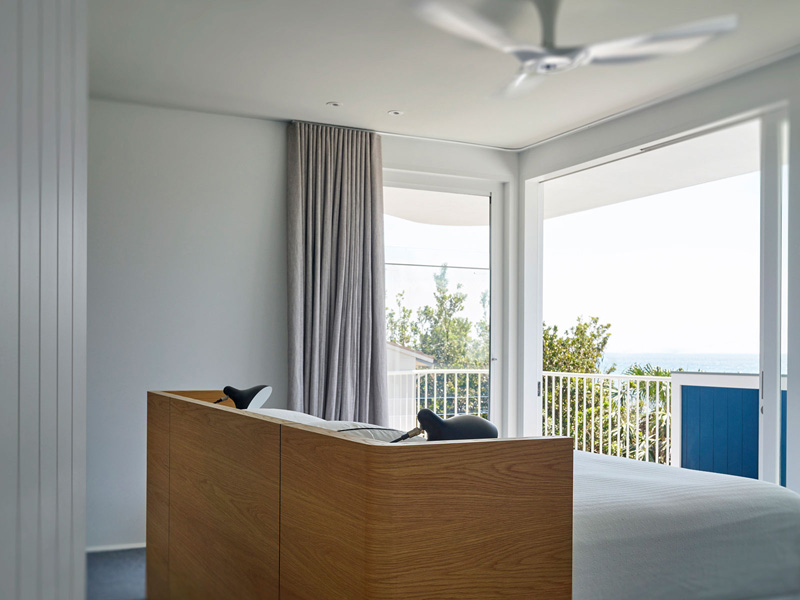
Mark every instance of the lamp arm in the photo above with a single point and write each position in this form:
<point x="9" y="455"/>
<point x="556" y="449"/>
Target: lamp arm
<point x="409" y="434"/>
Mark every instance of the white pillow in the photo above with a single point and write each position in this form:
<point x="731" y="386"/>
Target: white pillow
<point x="356" y="428"/>
<point x="289" y="415"/>
<point x="374" y="432"/>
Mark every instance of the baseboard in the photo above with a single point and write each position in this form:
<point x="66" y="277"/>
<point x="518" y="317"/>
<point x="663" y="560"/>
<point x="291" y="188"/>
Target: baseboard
<point x="113" y="547"/>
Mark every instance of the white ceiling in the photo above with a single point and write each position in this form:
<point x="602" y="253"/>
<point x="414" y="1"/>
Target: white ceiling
<point x="436" y="208"/>
<point x="285" y="59"/>
<point x="714" y="156"/>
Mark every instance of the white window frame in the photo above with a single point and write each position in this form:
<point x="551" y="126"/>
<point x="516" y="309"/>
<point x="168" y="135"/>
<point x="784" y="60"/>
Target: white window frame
<point x="497" y="192"/>
<point x="793" y="326"/>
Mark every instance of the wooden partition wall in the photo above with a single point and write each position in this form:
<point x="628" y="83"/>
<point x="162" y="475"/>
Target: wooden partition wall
<point x="213" y="500"/>
<point x="245" y="506"/>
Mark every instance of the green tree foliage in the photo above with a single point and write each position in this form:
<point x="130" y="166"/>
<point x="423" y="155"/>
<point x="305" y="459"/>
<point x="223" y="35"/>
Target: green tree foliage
<point x="454" y="341"/>
<point x="439" y="330"/>
<point x="647" y="370"/>
<point x="579" y="349"/>
<point x="479" y="346"/>
<point x="400" y="328"/>
<point x="442" y="333"/>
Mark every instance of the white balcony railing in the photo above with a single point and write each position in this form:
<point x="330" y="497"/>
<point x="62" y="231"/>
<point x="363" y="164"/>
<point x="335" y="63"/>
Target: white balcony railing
<point x="619" y="415"/>
<point x="447" y="392"/>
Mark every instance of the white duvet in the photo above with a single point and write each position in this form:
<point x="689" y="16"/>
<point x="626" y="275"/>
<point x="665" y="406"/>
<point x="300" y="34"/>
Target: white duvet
<point x="647" y="532"/>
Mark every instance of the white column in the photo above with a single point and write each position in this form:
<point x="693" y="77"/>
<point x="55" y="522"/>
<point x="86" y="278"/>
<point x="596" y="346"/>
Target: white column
<point x="43" y="100"/>
<point x="500" y="205"/>
<point x="770" y="360"/>
<point x="530" y="302"/>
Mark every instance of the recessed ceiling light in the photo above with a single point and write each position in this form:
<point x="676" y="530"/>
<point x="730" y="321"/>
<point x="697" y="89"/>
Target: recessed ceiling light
<point x="333" y="104"/>
<point x="395" y="113"/>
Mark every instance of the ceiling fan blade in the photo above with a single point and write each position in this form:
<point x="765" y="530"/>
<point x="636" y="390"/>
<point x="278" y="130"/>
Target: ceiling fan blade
<point x="524" y="81"/>
<point x="662" y="43"/>
<point x="464" y="22"/>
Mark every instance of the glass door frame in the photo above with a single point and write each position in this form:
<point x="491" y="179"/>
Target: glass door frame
<point x="773" y="122"/>
<point x="496" y="193"/>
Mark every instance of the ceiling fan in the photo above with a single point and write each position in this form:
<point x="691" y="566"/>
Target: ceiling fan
<point x="548" y="58"/>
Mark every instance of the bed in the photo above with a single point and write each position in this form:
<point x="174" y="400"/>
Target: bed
<point x="658" y="532"/>
<point x="259" y="506"/>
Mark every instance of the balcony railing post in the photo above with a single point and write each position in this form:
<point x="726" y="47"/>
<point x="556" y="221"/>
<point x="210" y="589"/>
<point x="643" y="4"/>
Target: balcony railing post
<point x="440" y="391"/>
<point x="616" y="420"/>
<point x="636" y="438"/>
<point x="583" y="423"/>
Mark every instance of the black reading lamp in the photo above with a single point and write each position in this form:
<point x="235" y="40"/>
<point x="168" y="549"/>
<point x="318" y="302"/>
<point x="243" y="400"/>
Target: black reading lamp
<point x="244" y="398"/>
<point x="463" y="427"/>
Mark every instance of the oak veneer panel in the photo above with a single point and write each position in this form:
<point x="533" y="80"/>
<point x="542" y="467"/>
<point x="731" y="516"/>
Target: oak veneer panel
<point x="224" y="503"/>
<point x="157" y="531"/>
<point x="466" y="520"/>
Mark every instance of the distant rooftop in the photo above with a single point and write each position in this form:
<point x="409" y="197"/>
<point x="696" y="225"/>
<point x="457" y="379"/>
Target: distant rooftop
<point x="424" y="360"/>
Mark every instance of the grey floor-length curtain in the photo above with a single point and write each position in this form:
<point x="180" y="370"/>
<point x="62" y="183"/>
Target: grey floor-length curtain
<point x="337" y="329"/>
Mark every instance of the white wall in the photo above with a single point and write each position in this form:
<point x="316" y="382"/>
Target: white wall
<point x="42" y="299"/>
<point x="187" y="281"/>
<point x="187" y="272"/>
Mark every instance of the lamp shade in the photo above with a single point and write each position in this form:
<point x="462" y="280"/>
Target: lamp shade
<point x="244" y="398"/>
<point x="463" y="427"/>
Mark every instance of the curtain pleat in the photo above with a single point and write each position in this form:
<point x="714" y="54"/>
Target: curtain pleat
<point x="337" y="329"/>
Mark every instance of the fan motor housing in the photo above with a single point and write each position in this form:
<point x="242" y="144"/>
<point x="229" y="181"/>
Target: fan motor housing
<point x="558" y="63"/>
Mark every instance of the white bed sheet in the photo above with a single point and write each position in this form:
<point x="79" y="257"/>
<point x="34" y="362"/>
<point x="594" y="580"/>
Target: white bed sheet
<point x="649" y="532"/>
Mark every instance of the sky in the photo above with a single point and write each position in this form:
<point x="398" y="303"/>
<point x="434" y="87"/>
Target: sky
<point x="409" y="242"/>
<point x="676" y="272"/>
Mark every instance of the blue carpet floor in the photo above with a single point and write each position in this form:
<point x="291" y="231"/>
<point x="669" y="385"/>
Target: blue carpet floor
<point x="117" y="575"/>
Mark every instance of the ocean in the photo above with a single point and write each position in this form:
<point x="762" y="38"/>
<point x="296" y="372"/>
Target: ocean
<point x="709" y="363"/>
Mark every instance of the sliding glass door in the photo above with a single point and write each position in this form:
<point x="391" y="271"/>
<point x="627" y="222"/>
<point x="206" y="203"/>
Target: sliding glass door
<point x="662" y="305"/>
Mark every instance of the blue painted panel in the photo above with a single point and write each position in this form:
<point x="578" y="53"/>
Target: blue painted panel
<point x="707" y="428"/>
<point x="690" y="427"/>
<point x="720" y="432"/>
<point x="783" y="438"/>
<point x="735" y="432"/>
<point x="750" y="433"/>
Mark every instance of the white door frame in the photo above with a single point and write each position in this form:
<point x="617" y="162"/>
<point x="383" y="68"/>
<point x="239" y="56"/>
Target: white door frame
<point x="497" y="192"/>
<point x="770" y="293"/>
